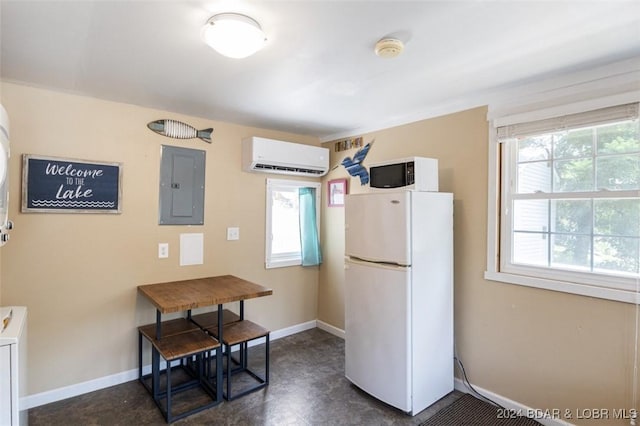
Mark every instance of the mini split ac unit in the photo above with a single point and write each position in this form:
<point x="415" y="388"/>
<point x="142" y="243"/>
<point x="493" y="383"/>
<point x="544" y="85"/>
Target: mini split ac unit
<point x="271" y="156"/>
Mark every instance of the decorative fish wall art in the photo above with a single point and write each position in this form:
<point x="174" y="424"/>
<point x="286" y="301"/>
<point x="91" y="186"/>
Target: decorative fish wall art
<point x="179" y="130"/>
<point x="354" y="165"/>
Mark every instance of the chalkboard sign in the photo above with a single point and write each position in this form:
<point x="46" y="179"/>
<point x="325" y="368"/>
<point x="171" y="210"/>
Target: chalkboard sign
<point x="60" y="185"/>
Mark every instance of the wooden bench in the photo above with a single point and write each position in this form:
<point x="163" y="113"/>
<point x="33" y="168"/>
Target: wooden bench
<point x="185" y="342"/>
<point x="210" y="319"/>
<point x="241" y="333"/>
<point x="169" y="328"/>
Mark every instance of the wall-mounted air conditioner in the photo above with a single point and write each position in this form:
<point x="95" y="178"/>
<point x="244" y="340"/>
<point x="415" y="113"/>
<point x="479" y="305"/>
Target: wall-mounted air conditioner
<point x="272" y="156"/>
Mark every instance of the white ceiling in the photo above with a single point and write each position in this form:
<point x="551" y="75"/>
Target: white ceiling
<point x="318" y="74"/>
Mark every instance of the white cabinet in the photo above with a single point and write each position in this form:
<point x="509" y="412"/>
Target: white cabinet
<point x="13" y="353"/>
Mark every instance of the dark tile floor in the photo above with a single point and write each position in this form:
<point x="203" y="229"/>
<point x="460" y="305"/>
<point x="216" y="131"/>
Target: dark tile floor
<point x="307" y="387"/>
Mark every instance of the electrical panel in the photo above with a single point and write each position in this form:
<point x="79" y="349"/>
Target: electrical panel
<point x="182" y="186"/>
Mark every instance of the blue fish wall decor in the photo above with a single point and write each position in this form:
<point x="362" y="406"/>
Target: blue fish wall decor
<point x="179" y="130"/>
<point x="354" y="165"/>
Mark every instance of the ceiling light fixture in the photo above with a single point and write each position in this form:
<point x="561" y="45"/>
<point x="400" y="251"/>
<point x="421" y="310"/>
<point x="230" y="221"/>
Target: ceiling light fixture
<point x="233" y="35"/>
<point x="389" y="47"/>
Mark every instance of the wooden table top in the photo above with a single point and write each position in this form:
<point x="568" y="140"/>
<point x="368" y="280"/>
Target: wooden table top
<point x="183" y="295"/>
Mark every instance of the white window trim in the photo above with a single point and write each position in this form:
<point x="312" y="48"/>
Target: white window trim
<point x="493" y="272"/>
<point x="293" y="259"/>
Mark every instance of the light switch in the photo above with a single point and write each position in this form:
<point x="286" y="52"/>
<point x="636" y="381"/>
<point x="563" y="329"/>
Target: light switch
<point x="163" y="250"/>
<point x="233" y="234"/>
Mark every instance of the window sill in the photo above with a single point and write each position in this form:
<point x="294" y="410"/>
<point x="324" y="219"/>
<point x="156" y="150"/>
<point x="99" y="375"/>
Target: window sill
<point x="565" y="287"/>
<point x="282" y="263"/>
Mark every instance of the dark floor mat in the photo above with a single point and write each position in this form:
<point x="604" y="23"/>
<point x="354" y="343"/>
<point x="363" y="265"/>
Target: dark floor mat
<point x="470" y="411"/>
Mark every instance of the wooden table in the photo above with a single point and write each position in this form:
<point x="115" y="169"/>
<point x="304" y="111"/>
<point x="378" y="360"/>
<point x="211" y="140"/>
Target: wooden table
<point x="186" y="295"/>
<point x="195" y="293"/>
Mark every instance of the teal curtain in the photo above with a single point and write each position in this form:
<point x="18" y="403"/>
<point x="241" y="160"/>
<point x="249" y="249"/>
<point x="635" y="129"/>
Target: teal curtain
<point x="309" y="241"/>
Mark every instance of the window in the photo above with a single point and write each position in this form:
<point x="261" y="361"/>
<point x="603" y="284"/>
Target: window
<point x="285" y="237"/>
<point x="569" y="211"/>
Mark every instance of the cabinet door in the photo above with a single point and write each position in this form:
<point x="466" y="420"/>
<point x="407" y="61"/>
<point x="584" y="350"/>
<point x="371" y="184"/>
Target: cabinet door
<point x="5" y="385"/>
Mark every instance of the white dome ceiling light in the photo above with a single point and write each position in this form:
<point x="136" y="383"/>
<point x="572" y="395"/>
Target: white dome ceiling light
<point x="233" y="35"/>
<point x="389" y="47"/>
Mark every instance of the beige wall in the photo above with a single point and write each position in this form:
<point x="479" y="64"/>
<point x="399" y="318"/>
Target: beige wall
<point x="77" y="273"/>
<point x="541" y="348"/>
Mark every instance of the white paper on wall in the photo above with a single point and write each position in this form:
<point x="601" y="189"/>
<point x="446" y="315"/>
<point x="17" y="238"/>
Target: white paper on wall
<point x="191" y="249"/>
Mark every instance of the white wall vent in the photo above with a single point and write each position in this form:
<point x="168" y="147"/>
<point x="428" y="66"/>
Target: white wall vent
<point x="272" y="156"/>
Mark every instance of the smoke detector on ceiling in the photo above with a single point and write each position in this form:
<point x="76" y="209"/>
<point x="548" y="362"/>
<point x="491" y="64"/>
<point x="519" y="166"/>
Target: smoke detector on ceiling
<point x="389" y="47"/>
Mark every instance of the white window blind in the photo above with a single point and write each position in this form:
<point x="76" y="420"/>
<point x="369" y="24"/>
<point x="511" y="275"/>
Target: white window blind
<point x="568" y="122"/>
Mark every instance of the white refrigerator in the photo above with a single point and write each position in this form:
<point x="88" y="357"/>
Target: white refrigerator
<point x="399" y="296"/>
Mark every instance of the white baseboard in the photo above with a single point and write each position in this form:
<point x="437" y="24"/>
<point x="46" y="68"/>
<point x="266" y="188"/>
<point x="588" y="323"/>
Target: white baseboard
<point x="298" y="328"/>
<point x="516" y="407"/>
<point x="330" y="329"/>
<point x="65" y="392"/>
<point x="31" y="401"/>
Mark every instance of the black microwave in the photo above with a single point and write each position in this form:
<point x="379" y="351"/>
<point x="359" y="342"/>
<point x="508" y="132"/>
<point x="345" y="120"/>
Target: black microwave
<point x="416" y="173"/>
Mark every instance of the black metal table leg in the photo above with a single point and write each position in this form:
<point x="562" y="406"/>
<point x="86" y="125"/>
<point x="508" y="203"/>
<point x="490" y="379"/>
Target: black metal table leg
<point x="169" y="411"/>
<point x="140" y="357"/>
<point x="155" y="373"/>
<point x="219" y="356"/>
<point x="158" y="324"/>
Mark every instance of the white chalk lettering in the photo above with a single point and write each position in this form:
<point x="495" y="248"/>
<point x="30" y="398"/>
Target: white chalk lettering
<point x="69" y="170"/>
<point x="71" y="194"/>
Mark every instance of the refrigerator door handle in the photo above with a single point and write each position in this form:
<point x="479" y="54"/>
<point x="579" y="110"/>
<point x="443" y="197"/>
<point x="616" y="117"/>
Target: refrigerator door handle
<point x="383" y="265"/>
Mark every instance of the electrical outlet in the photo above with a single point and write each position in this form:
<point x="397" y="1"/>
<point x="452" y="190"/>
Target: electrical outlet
<point x="163" y="250"/>
<point x="233" y="234"/>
